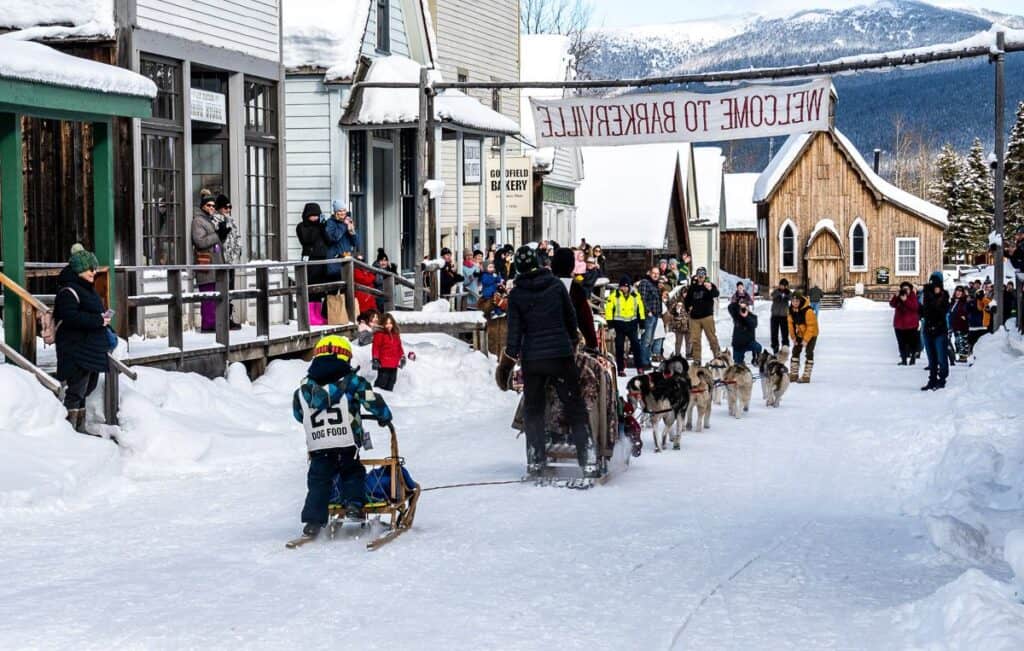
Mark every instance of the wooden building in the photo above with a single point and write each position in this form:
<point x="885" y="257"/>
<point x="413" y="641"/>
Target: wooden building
<point x="738" y="251"/>
<point x="637" y="202"/>
<point x="825" y="218"/>
<point x="215" y="124"/>
<point x="709" y="174"/>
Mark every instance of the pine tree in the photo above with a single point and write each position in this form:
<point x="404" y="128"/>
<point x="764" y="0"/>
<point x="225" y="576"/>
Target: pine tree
<point x="977" y="199"/>
<point x="945" y="191"/>
<point x="1013" y="185"/>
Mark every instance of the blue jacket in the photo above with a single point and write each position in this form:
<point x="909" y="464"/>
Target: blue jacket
<point x="489" y="284"/>
<point x="330" y="381"/>
<point x="339" y="242"/>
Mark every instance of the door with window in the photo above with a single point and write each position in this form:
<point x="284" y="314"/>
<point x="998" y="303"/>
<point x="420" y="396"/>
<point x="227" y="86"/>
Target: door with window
<point x="824" y="263"/>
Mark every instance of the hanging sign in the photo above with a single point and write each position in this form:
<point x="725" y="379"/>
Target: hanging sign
<point x="472" y="162"/>
<point x="518" y="187"/>
<point x="208" y="106"/>
<point x="882" y="276"/>
<point x="750" y="112"/>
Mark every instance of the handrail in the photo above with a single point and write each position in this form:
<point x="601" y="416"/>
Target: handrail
<point x="22" y="293"/>
<point x="44" y="378"/>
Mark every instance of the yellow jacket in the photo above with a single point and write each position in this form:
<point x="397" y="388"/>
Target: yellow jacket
<point x="809" y="328"/>
<point x="624" y="307"/>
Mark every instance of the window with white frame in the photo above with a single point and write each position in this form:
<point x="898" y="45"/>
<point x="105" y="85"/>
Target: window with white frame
<point x="908" y="256"/>
<point x="384" y="26"/>
<point x="762" y="244"/>
<point x="787" y="246"/>
<point x="858" y="246"/>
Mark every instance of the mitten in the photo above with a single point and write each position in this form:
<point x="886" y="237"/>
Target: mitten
<point x="375" y="364"/>
<point x="503" y="374"/>
<point x="401" y="363"/>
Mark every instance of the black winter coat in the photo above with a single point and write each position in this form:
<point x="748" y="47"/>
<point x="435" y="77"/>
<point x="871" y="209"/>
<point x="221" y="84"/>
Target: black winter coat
<point x="744" y="329"/>
<point x="541" y="320"/>
<point x="81" y="338"/>
<point x="313" y="238"/>
<point x="934" y="308"/>
<point x="700" y="301"/>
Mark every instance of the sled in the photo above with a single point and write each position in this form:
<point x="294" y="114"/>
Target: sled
<point x="396" y="513"/>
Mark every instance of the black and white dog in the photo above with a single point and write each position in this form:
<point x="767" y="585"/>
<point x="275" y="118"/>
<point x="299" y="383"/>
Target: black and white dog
<point x="774" y="376"/>
<point x="664" y="395"/>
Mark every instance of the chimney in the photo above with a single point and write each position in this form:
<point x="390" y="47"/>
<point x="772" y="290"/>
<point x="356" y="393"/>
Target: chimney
<point x="878" y="159"/>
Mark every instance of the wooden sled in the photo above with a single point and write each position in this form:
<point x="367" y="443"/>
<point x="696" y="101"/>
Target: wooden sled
<point x="399" y="508"/>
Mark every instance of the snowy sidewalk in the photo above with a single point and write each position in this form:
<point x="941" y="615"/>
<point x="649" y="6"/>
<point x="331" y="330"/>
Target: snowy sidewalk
<point x="781" y="530"/>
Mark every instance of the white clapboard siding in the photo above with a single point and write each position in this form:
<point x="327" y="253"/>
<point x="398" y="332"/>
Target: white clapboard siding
<point x="564" y="173"/>
<point x="308" y="150"/>
<point x="248" y="26"/>
<point x="485" y="45"/>
<point x="399" y="38"/>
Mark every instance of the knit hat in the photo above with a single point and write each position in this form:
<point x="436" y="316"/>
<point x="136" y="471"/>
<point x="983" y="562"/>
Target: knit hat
<point x="936" y="278"/>
<point x="446" y="251"/>
<point x="526" y="260"/>
<point x="562" y="263"/>
<point x="205" y="199"/>
<point x="625" y="281"/>
<point x="222" y="202"/>
<point x="82" y="260"/>
<point x="797" y="296"/>
<point x="311" y="209"/>
<point x="381" y="255"/>
<point x="337" y="205"/>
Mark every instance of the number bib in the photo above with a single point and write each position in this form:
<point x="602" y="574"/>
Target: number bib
<point x="327" y="428"/>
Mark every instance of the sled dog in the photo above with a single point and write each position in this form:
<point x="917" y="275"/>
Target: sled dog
<point x="739" y="383"/>
<point x="701" y="385"/>
<point x="774" y="376"/>
<point x="664" y="396"/>
<point x="717" y="366"/>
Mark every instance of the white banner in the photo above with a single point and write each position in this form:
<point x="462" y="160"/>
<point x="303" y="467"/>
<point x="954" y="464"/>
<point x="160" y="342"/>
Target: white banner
<point x="750" y="112"/>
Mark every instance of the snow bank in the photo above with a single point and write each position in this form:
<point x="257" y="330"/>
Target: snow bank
<point x="28" y="61"/>
<point x="973" y="612"/>
<point x="43" y="458"/>
<point x="976" y="493"/>
<point x="861" y="304"/>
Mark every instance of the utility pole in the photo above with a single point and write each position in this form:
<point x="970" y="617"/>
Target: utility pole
<point x="423" y="165"/>
<point x="999" y="217"/>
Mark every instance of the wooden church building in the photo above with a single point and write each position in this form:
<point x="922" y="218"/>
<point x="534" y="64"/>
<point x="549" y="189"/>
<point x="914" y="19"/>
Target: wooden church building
<point x="825" y="218"/>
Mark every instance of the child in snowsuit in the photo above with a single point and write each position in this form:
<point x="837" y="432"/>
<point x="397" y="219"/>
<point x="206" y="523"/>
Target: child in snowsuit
<point x="490" y="283"/>
<point x="803" y="332"/>
<point x="388" y="354"/>
<point x="328" y="404"/>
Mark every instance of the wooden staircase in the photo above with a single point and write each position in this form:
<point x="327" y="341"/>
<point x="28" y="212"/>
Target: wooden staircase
<point x="832" y="302"/>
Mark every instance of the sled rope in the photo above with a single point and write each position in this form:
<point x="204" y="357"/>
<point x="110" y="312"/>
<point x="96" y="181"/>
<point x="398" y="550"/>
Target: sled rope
<point x="470" y="484"/>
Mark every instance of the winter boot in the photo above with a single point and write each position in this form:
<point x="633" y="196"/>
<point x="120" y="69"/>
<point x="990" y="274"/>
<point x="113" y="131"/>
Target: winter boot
<point x="808" y="367"/>
<point x="311" y="530"/>
<point x="794" y="368"/>
<point x="354" y="513"/>
<point x="76" y="417"/>
<point x="536" y="461"/>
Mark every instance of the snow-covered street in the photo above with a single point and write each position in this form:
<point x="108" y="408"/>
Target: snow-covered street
<point x="797" y="528"/>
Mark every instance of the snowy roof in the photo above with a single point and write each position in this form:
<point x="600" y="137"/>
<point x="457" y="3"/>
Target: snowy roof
<point x="709" y="166"/>
<point x="626" y="194"/>
<point x="35" y="62"/>
<point x="324" y="35"/>
<point x="542" y="57"/>
<point x="823" y="225"/>
<point x="788" y="154"/>
<point x="740" y="209"/>
<point x="53" y="19"/>
<point x="401" y="105"/>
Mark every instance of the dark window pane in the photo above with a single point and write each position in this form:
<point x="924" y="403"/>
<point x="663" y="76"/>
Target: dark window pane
<point x="162" y="211"/>
<point x="167" y="77"/>
<point x="263" y="209"/>
<point x="384" y="25"/>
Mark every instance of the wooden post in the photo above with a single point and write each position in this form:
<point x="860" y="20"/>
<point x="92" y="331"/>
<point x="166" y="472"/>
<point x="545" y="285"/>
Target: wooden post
<point x="999" y="216"/>
<point x="460" y="178"/>
<point x="482" y="240"/>
<point x="301" y="298"/>
<point x="348" y="274"/>
<point x="223" y="280"/>
<point x="103" y="207"/>
<point x="175" y="311"/>
<point x="389" y="292"/>
<point x="111" y="392"/>
<point x="122" y="286"/>
<point x="28" y="331"/>
<point x="422" y="153"/>
<point x="503" y="193"/>
<point x="12" y="213"/>
<point x="263" y="302"/>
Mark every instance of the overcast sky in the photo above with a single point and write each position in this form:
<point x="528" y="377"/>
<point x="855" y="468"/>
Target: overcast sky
<point x="625" y="13"/>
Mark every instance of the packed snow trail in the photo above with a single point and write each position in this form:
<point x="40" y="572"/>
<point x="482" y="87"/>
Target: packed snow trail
<point x="780" y="530"/>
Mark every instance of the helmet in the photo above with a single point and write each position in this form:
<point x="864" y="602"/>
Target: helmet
<point x="335" y="345"/>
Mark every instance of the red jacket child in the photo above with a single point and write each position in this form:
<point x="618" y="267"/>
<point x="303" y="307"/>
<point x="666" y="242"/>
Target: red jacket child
<point x="387" y="348"/>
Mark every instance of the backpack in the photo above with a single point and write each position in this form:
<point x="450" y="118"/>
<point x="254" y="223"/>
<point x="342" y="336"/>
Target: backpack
<point x="49" y="325"/>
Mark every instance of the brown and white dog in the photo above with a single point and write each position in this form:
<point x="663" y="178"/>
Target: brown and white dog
<point x="701" y="385"/>
<point x="739" y="384"/>
<point x="774" y="376"/>
<point x="663" y="395"/>
<point x="718" y="365"/>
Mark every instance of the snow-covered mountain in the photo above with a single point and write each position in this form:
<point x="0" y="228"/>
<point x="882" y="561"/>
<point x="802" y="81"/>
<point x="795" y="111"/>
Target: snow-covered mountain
<point x="949" y="102"/>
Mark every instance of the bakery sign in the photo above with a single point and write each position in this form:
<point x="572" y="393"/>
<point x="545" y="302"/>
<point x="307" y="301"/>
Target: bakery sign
<point x="756" y="111"/>
<point x="518" y="183"/>
<point x="207" y="106"/>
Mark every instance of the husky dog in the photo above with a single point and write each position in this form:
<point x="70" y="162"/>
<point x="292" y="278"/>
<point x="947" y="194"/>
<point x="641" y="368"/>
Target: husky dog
<point x="664" y="395"/>
<point x="774" y="376"/>
<point x="717" y="366"/>
<point x="701" y="385"/>
<point x="739" y="383"/>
